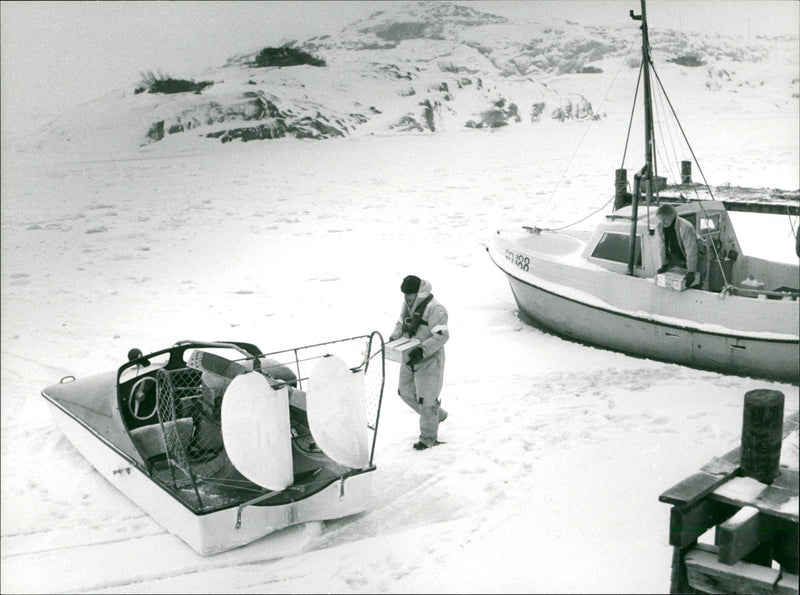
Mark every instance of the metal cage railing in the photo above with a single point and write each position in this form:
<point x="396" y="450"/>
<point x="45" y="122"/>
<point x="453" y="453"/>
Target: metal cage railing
<point x="189" y="404"/>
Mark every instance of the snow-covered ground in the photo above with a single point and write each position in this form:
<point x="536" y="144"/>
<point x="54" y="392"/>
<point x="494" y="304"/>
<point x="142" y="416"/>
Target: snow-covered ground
<point x="555" y="452"/>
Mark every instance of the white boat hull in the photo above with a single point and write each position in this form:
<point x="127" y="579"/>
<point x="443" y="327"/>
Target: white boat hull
<point x="647" y="339"/>
<point x="729" y="334"/>
<point x="215" y="531"/>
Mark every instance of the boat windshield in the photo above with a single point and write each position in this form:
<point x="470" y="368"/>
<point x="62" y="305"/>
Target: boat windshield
<point x="614" y="246"/>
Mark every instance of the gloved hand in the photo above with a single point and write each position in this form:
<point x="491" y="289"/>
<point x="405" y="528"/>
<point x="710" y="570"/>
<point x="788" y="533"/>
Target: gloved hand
<point x="415" y="356"/>
<point x="663" y="269"/>
<point x="689" y="279"/>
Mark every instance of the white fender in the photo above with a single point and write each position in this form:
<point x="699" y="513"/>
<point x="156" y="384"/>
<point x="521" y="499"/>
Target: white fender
<point x="337" y="413"/>
<point x="256" y="431"/>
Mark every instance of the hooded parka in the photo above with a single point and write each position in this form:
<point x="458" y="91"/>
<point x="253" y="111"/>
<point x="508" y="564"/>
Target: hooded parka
<point x="420" y="385"/>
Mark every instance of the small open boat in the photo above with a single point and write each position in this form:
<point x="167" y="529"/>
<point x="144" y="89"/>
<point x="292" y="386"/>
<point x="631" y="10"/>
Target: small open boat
<point x="222" y="444"/>
<point x="602" y="288"/>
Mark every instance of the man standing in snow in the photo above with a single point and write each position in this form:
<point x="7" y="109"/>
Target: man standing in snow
<point x="423" y="318"/>
<point x="677" y="242"/>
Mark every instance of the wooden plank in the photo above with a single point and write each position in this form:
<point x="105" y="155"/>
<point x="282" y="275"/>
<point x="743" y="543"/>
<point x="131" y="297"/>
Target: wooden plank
<point x="725" y="465"/>
<point x="790" y="445"/>
<point x="786" y="541"/>
<point x="771" y="500"/>
<point x="693" y="488"/>
<point x="735" y="455"/>
<point x="740" y="491"/>
<point x="679" y="581"/>
<point x="709" y="575"/>
<point x="791" y="423"/>
<point x="789" y="479"/>
<point x="759" y="207"/>
<point x="779" y="502"/>
<point x="688" y="523"/>
<point x="741" y="534"/>
<point x="787" y="584"/>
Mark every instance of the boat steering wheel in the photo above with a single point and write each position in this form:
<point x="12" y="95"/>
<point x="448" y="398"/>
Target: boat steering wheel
<point x="142" y="400"/>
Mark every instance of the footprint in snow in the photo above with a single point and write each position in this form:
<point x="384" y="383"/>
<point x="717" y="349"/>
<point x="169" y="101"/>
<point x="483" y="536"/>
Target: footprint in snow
<point x="20" y="279"/>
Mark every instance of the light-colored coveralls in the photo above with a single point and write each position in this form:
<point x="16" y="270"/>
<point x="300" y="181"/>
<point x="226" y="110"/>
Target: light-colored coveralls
<point x="421" y="385"/>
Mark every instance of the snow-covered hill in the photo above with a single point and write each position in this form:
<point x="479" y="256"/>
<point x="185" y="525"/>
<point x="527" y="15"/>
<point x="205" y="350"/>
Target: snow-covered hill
<point x="416" y="67"/>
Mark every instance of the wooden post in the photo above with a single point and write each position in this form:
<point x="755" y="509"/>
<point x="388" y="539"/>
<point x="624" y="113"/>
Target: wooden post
<point x="762" y="432"/>
<point x="621" y="189"/>
<point x="686" y="172"/>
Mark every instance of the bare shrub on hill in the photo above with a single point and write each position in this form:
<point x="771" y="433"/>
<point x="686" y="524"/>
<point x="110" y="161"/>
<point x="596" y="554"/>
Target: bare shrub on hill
<point x="286" y="56"/>
<point x="165" y="84"/>
<point x="692" y="60"/>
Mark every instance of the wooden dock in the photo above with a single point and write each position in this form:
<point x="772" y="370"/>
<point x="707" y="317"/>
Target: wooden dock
<point x="756" y="524"/>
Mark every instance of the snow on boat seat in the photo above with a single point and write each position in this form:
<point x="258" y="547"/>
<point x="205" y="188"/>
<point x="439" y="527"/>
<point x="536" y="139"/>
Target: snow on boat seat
<point x="149" y="440"/>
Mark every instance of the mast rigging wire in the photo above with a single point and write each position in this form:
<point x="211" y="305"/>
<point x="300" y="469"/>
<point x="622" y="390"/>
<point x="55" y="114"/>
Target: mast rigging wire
<point x="586" y="132"/>
<point x="661" y="85"/>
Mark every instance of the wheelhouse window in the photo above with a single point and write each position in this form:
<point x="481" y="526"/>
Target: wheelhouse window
<point x="709" y="224"/>
<point x="615" y="246"/>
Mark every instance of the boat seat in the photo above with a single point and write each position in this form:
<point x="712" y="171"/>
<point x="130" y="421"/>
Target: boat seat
<point x="218" y="372"/>
<point x="149" y="440"/>
<point x="222" y="370"/>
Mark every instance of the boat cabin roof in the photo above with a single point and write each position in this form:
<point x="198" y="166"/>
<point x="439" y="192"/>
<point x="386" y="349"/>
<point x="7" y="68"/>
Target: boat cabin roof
<point x="647" y="215"/>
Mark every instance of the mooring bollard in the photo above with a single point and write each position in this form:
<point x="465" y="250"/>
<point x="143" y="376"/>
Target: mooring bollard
<point x="686" y="172"/>
<point x="762" y="430"/>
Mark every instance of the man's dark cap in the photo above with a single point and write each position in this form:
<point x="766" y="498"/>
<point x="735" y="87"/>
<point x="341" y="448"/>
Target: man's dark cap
<point x="410" y="284"/>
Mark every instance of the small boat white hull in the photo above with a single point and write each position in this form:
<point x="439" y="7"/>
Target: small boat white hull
<point x="215" y="531"/>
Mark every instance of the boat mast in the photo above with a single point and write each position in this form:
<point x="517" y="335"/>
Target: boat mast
<point x="646" y="172"/>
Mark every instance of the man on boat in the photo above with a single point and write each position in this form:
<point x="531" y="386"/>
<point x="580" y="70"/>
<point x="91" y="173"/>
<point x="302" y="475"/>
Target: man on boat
<point x="423" y="318"/>
<point x="677" y="242"/>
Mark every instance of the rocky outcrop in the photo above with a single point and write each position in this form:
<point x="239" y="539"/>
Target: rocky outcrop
<point x="277" y="128"/>
<point x="500" y="114"/>
<point x="423" y="120"/>
<point x="256" y="106"/>
<point x="536" y="111"/>
<point x="156" y="132"/>
<point x="574" y="107"/>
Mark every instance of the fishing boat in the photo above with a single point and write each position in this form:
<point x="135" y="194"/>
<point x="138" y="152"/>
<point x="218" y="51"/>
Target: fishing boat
<point x="603" y="288"/>
<point x="223" y="444"/>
